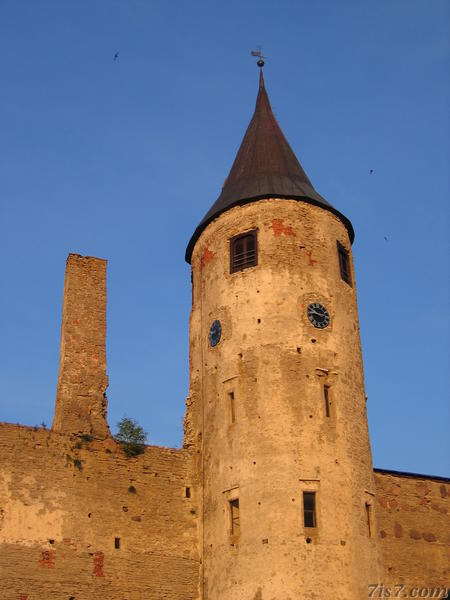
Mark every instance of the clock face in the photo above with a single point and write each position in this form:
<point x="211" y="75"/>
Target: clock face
<point x="318" y="315"/>
<point x="215" y="331"/>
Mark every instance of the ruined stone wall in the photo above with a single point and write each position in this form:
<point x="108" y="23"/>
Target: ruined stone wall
<point x="281" y="443"/>
<point x="81" y="395"/>
<point x="63" y="502"/>
<point x="414" y="528"/>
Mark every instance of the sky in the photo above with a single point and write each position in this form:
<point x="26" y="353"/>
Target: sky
<point x="121" y="159"/>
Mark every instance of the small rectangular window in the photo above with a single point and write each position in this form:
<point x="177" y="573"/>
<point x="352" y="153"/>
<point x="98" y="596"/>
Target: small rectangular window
<point x="344" y="264"/>
<point x="188" y="492"/>
<point x="243" y="251"/>
<point x="326" y="395"/>
<point x="234" y="514"/>
<point x="309" y="509"/>
<point x="117" y="543"/>
<point x="232" y="407"/>
<point x="369" y="518"/>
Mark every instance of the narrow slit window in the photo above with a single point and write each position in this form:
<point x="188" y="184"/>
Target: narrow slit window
<point x="234" y="514"/>
<point x="326" y="396"/>
<point x="243" y="251"/>
<point x="369" y="518"/>
<point x="188" y="492"/>
<point x="344" y="264"/>
<point x="232" y="407"/>
<point x="117" y="543"/>
<point x="309" y="509"/>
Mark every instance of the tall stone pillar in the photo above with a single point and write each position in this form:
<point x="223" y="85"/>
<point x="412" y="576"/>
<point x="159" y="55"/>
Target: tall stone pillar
<point x="82" y="381"/>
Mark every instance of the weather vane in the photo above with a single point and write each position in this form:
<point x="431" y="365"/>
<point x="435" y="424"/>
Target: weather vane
<point x="258" y="53"/>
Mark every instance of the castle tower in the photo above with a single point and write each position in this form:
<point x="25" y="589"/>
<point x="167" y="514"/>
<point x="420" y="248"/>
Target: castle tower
<point x="277" y="408"/>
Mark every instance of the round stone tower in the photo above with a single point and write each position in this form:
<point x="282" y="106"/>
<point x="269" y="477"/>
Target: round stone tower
<point x="277" y="408"/>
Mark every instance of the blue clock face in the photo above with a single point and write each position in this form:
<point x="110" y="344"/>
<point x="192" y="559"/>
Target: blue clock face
<point x="318" y="315"/>
<point x="215" y="331"/>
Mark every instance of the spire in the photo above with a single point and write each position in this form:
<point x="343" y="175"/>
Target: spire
<point x="265" y="167"/>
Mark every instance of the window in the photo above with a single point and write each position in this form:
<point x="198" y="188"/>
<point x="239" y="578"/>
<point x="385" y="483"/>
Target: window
<point x="117" y="543"/>
<point x="326" y="395"/>
<point x="232" y="407"/>
<point x="309" y="509"/>
<point x="188" y="492"/>
<point x="234" y="513"/>
<point x="369" y="518"/>
<point x="243" y="251"/>
<point x="344" y="264"/>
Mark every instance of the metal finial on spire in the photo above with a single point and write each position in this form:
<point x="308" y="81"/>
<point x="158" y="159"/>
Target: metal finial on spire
<point x="258" y="53"/>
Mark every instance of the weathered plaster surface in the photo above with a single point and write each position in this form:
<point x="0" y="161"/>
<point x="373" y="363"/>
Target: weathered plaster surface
<point x="34" y="511"/>
<point x="63" y="501"/>
<point x="413" y="516"/>
<point x="82" y="382"/>
<point x="276" y="364"/>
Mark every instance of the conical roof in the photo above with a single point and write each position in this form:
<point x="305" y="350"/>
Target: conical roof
<point x="265" y="167"/>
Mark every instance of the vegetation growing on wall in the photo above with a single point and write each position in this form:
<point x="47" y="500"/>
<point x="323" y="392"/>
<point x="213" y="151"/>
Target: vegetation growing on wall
<point x="131" y="436"/>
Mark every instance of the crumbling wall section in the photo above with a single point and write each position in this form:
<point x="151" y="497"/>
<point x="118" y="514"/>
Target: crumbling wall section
<point x="82" y="382"/>
<point x="79" y="520"/>
<point x="414" y="528"/>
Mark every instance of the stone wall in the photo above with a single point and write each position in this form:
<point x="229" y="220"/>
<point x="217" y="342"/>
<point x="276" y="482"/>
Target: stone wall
<point x="67" y="502"/>
<point x="81" y="521"/>
<point x="414" y="528"/>
<point x="64" y="500"/>
<point x="82" y="381"/>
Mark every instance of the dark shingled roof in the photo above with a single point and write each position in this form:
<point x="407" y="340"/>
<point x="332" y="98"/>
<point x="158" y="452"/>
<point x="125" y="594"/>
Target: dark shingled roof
<point x="265" y="167"/>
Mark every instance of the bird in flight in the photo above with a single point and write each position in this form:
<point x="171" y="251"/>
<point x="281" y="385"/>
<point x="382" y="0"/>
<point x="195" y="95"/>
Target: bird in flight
<point x="371" y="171"/>
<point x="116" y="56"/>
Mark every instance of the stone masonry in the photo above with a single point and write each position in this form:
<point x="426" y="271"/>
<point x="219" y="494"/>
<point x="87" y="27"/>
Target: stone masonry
<point x="81" y="521"/>
<point x="414" y="528"/>
<point x="82" y="382"/>
<point x="280" y="442"/>
<point x="273" y="495"/>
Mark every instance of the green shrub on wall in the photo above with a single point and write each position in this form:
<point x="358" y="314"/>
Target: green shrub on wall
<point x="131" y="436"/>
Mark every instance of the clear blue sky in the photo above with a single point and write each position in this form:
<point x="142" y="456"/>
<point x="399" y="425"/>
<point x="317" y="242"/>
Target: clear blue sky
<point x="121" y="159"/>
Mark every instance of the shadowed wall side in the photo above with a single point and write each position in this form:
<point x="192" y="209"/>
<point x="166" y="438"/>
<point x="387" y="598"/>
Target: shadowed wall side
<point x="413" y="517"/>
<point x="82" y="382"/>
